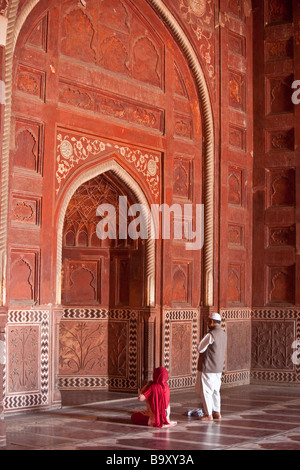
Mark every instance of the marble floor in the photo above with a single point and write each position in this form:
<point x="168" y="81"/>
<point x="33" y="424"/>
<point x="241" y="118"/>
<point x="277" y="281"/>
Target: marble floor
<point x="254" y="418"/>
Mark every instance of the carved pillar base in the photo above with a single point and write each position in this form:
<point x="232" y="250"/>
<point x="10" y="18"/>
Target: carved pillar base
<point x="147" y="345"/>
<point x="3" y="322"/>
<point x="55" y="395"/>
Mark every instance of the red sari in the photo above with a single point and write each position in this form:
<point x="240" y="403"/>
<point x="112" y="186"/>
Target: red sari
<point x="157" y="395"/>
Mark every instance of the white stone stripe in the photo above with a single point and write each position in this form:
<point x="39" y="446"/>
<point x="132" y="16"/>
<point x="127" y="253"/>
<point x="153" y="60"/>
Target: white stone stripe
<point x="3" y="29"/>
<point x="2" y="92"/>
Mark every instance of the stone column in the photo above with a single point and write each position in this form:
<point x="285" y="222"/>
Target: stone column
<point x="55" y="395"/>
<point x="147" y="345"/>
<point x="3" y="322"/>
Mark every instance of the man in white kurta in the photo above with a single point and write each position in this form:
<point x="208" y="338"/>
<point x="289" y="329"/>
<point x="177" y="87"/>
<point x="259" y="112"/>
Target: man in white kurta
<point x="211" y="361"/>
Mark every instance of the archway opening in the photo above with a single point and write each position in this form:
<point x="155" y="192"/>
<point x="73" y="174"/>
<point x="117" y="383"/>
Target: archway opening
<point x="103" y="286"/>
<point x="102" y="264"/>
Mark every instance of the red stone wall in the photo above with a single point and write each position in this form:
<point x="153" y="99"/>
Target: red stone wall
<point x="91" y="85"/>
<point x="235" y="166"/>
<point x="275" y="189"/>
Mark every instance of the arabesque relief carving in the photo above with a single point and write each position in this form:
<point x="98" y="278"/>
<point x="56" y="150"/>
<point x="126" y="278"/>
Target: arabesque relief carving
<point x="199" y="15"/>
<point x="95" y="101"/>
<point x="272" y="345"/>
<point x="73" y="149"/>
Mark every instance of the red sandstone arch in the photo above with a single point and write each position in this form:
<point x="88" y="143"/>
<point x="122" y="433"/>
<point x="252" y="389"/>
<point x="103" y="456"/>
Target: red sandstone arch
<point x="62" y="97"/>
<point x="89" y="172"/>
<point x="13" y="33"/>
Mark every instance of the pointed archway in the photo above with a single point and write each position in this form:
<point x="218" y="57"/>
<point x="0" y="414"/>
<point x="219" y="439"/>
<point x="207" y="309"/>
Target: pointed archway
<point x="101" y="284"/>
<point x="15" y="24"/>
<point x="110" y="166"/>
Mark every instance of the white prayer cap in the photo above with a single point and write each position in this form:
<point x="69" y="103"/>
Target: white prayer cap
<point x="215" y="316"/>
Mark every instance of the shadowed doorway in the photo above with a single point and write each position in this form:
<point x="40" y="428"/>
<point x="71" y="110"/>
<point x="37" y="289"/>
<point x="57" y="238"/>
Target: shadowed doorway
<point x="102" y="290"/>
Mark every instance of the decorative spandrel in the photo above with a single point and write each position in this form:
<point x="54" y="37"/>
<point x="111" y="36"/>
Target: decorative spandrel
<point x="72" y="150"/>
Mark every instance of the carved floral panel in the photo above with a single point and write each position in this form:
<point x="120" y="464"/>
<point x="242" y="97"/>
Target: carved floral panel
<point x="182" y="178"/>
<point x="280" y="49"/>
<point x="116" y="107"/>
<point x="237" y="90"/>
<point x="282" y="236"/>
<point x="238" y="345"/>
<point x="31" y="82"/>
<point x="272" y="344"/>
<point x="181" y="345"/>
<point x="180" y="351"/>
<point x="236" y="235"/>
<point x="83" y="347"/>
<point x="26" y="210"/>
<point x="280" y="141"/>
<point x="23" y="366"/>
<point x="27" y="361"/>
<point x="98" y="349"/>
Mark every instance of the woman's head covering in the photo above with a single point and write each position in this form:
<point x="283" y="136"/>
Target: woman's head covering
<point x="158" y="396"/>
<point x="160" y="376"/>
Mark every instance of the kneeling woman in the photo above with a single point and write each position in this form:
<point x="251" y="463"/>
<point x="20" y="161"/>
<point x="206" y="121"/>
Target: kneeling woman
<point x="156" y="393"/>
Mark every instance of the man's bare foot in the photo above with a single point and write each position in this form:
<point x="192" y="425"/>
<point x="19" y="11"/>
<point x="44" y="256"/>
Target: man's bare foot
<point x="206" y="418"/>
